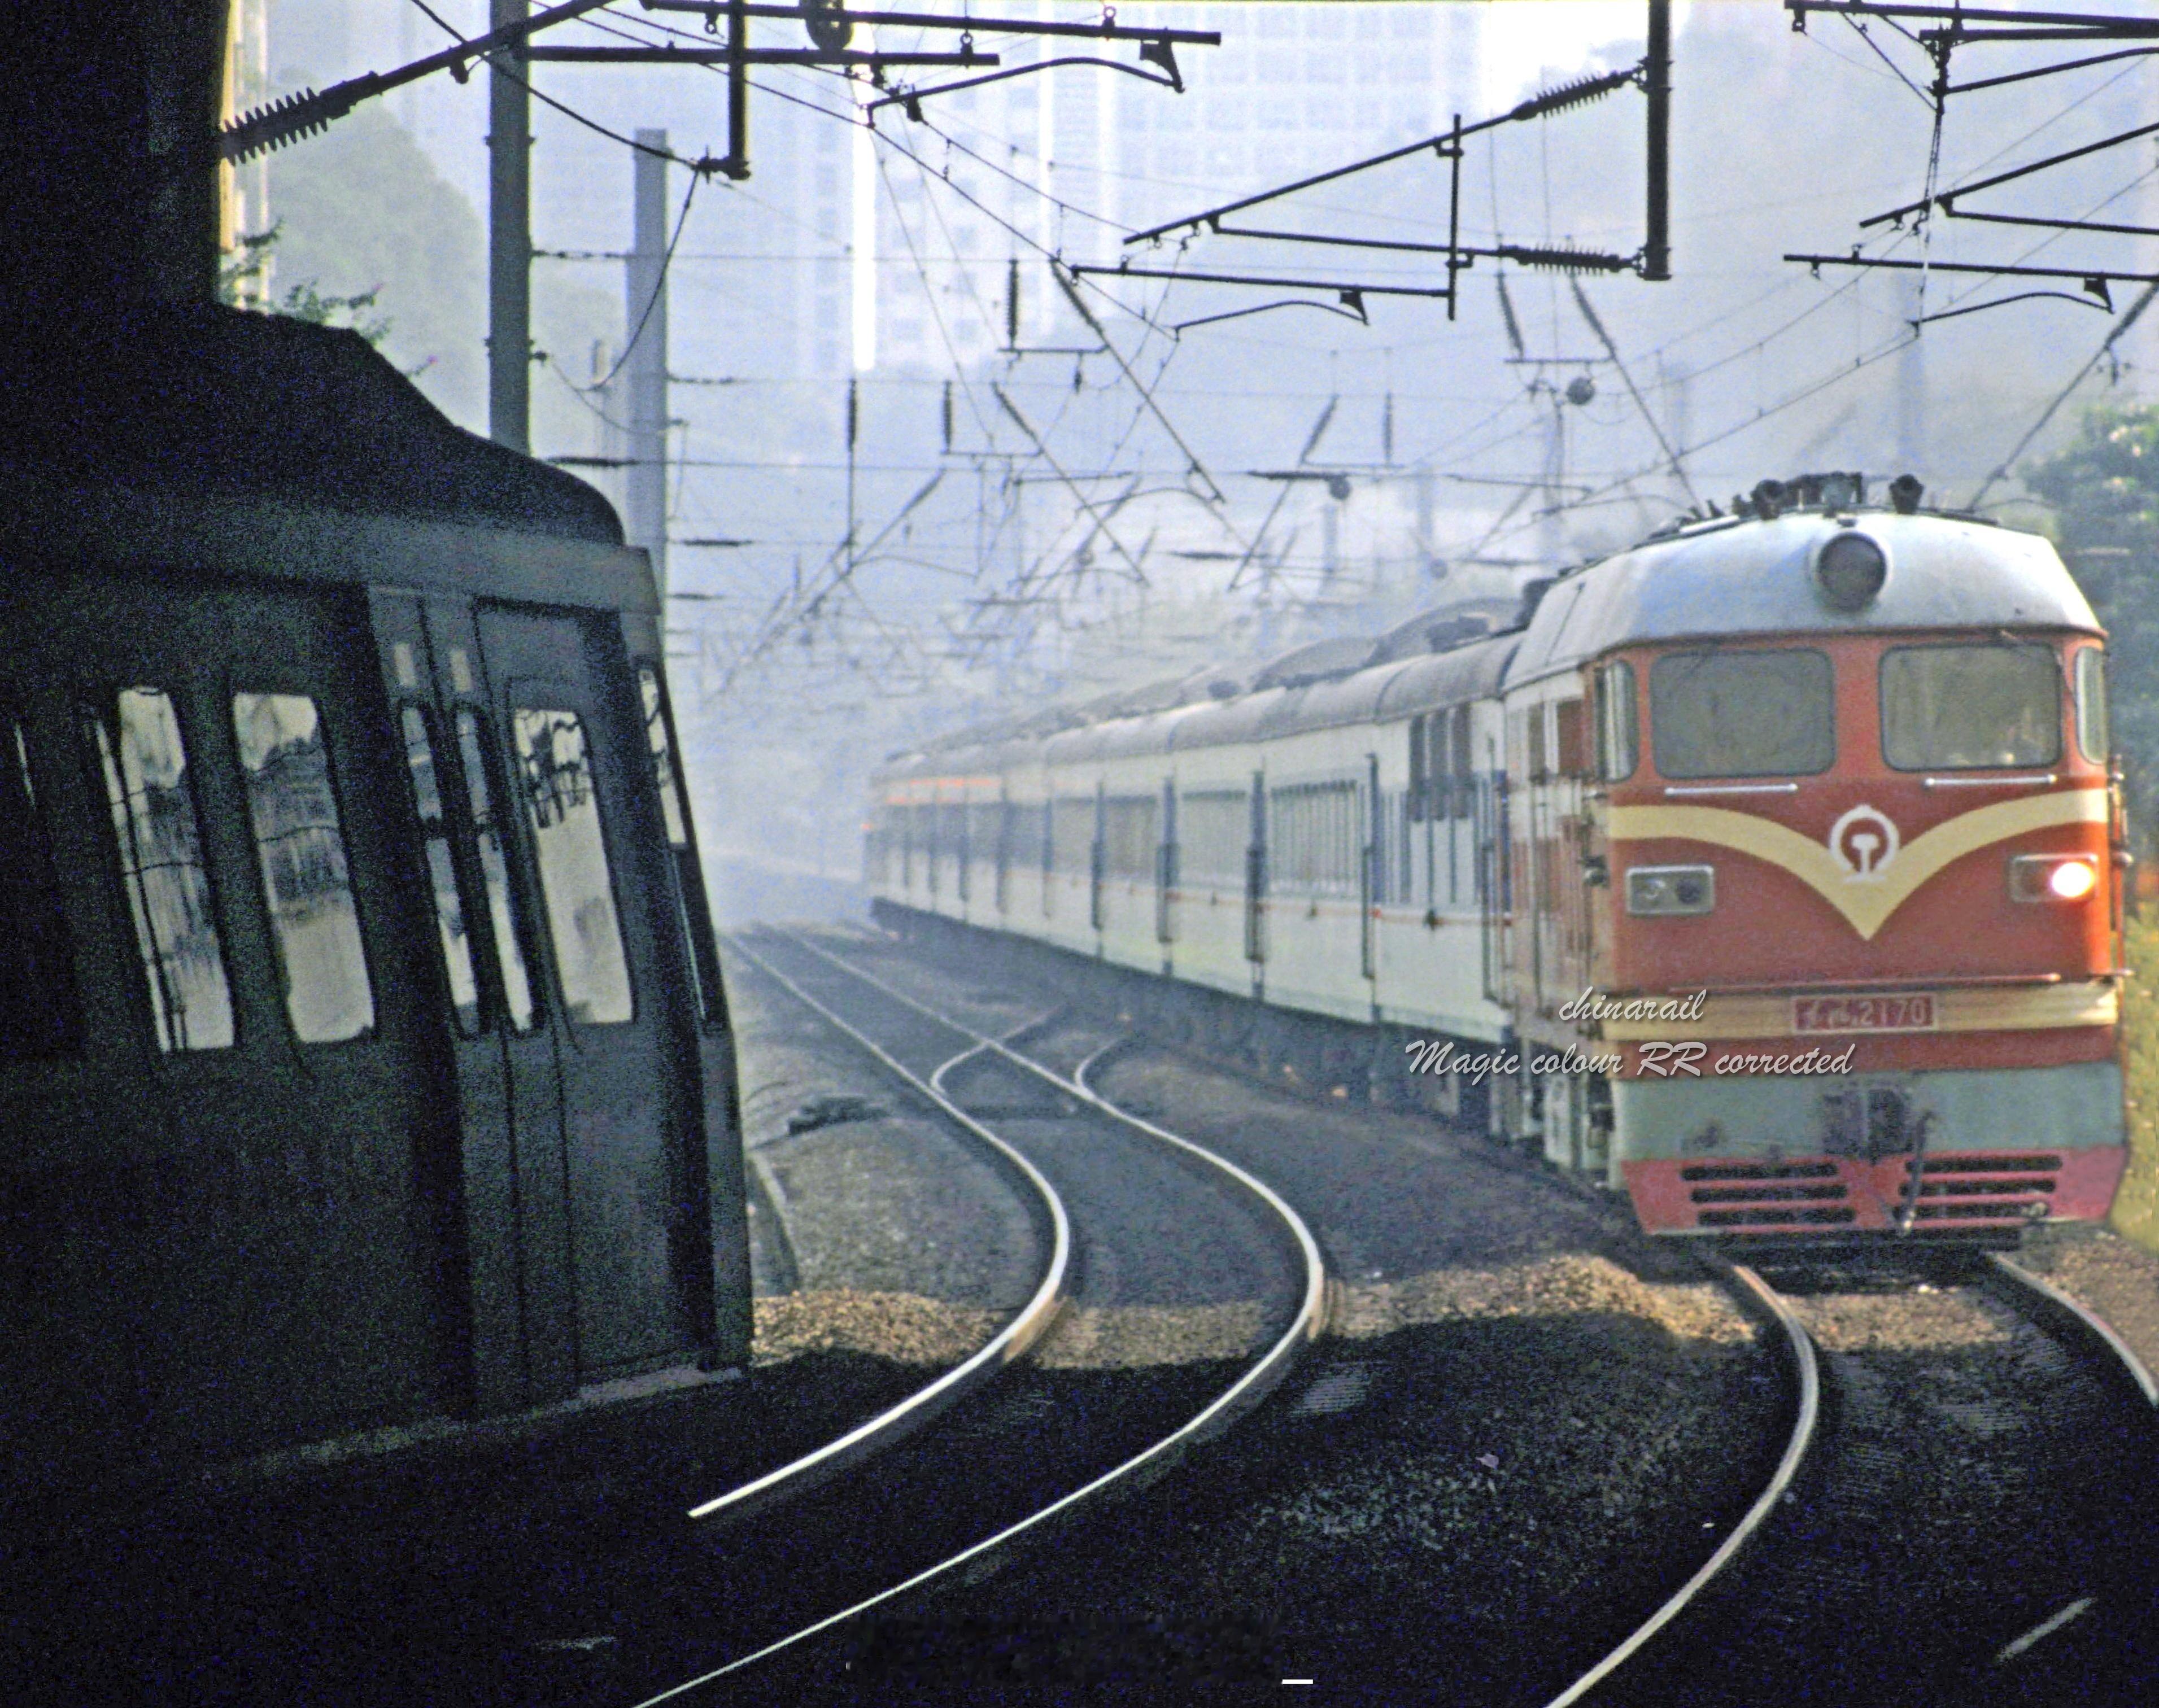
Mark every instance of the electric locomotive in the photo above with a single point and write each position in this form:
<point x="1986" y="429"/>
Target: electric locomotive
<point x="1770" y="871"/>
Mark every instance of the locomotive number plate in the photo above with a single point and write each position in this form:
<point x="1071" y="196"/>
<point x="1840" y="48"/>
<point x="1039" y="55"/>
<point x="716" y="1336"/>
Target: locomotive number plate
<point x="1911" y="1012"/>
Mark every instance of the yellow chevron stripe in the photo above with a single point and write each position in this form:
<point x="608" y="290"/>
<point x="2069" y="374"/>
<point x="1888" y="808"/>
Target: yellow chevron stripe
<point x="1866" y="903"/>
<point x="1988" y="1008"/>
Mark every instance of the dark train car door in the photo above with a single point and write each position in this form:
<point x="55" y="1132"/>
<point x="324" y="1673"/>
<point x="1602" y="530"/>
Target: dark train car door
<point x="580" y="779"/>
<point x="513" y="1229"/>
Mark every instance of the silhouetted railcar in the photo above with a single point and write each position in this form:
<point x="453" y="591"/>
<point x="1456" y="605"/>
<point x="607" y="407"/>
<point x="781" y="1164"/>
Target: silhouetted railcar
<point x="363" y="1053"/>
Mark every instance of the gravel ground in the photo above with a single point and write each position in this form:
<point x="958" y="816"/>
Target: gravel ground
<point x="1528" y="1425"/>
<point x="901" y="1242"/>
<point x="2098" y="1268"/>
<point x="1922" y="1319"/>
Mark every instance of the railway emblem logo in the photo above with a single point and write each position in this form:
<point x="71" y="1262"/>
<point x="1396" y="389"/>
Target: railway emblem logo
<point x="1864" y="842"/>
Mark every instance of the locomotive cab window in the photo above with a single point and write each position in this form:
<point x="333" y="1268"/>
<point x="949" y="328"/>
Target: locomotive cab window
<point x="1619" y="739"/>
<point x="1730" y="713"/>
<point x="144" y="760"/>
<point x="556" y="760"/>
<point x="292" y="808"/>
<point x="38" y="1013"/>
<point x="2092" y="737"/>
<point x="1961" y="708"/>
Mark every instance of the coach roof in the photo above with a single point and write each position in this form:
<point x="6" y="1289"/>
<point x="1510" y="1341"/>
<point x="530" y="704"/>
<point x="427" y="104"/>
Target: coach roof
<point x="1753" y="578"/>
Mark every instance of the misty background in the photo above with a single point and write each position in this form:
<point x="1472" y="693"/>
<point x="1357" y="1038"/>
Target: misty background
<point x="1011" y="528"/>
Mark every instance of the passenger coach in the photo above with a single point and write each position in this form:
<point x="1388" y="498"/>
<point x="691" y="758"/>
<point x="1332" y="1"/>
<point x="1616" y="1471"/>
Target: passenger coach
<point x="1771" y="868"/>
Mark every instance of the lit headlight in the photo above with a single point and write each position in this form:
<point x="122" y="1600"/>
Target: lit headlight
<point x="1670" y="891"/>
<point x="2053" y="878"/>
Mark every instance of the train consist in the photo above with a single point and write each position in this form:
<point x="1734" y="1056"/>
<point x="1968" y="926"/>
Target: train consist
<point x="363" y="1056"/>
<point x="1770" y="871"/>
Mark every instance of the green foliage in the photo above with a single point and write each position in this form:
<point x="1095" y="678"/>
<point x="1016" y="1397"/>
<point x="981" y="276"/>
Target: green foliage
<point x="364" y="211"/>
<point x="2104" y="489"/>
<point x="301" y="302"/>
<point x="2136" y="1205"/>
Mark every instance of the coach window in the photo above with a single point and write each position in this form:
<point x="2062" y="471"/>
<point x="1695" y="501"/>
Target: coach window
<point x="1960" y="708"/>
<point x="696" y="919"/>
<point x="556" y="761"/>
<point x="1464" y="765"/>
<point x="2092" y="737"/>
<point x="476" y="751"/>
<point x="1730" y="713"/>
<point x="292" y="807"/>
<point x="39" y="1015"/>
<point x="1619" y="736"/>
<point x="145" y="763"/>
<point x="441" y="871"/>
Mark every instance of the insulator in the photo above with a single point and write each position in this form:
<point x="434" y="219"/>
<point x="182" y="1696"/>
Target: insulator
<point x="1575" y="94"/>
<point x="1567" y="260"/>
<point x="285" y="120"/>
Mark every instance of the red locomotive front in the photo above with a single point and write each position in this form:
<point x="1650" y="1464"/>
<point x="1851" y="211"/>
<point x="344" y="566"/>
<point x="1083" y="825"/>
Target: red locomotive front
<point x="1858" y="954"/>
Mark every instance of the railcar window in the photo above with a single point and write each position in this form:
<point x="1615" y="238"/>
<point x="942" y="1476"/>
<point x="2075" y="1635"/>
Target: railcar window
<point x="1619" y="737"/>
<point x="1463" y="797"/>
<point x="1956" y="708"/>
<point x="2092" y="736"/>
<point x="562" y="804"/>
<point x="693" y="912"/>
<point x="145" y="763"/>
<point x="1311" y="839"/>
<point x="1129" y="836"/>
<point x="442" y="872"/>
<point x="300" y="844"/>
<point x="40" y="1013"/>
<point x="985" y="821"/>
<point x="1570" y="749"/>
<point x="1072" y="834"/>
<point x="1212" y="828"/>
<point x="1730" y="713"/>
<point x="1421" y="777"/>
<point x="504" y="913"/>
<point x="1023" y="827"/>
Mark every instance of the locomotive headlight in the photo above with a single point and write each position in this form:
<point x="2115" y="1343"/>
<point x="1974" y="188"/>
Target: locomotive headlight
<point x="1849" y="569"/>
<point x="2053" y="878"/>
<point x="1669" y="892"/>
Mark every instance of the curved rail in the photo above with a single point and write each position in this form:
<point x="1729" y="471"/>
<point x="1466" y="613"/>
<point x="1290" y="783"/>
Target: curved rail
<point x="1257" y="1381"/>
<point x="2082" y="1319"/>
<point x="1801" y="1350"/>
<point x="1026" y="1327"/>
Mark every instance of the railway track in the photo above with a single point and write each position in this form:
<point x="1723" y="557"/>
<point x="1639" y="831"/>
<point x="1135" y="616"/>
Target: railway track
<point x="1153" y="1224"/>
<point x="1970" y="1523"/>
<point x="1955" y="1513"/>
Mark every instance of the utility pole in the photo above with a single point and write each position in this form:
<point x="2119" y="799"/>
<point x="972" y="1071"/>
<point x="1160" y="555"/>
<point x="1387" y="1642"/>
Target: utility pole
<point x="509" y="238"/>
<point x="1657" y="85"/>
<point x="1911" y="456"/>
<point x="645" y="360"/>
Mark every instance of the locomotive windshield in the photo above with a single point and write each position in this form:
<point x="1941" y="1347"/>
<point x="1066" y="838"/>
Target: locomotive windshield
<point x="1743" y="714"/>
<point x="1951" y="708"/>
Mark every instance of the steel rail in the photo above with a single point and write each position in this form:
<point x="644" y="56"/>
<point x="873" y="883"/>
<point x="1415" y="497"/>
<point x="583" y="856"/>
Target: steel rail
<point x="1259" y="1379"/>
<point x="1801" y="1350"/>
<point x="1311" y="1313"/>
<point x="1026" y="1326"/>
<point x="2051" y="1301"/>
